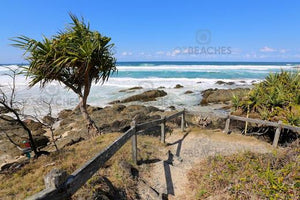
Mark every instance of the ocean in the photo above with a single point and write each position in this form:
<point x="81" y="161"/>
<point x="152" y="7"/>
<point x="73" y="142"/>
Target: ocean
<point x="194" y="76"/>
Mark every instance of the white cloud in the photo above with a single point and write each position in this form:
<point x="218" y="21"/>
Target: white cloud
<point x="160" y="52"/>
<point x="283" y="50"/>
<point x="173" y="53"/>
<point x="267" y="49"/>
<point x="125" y="53"/>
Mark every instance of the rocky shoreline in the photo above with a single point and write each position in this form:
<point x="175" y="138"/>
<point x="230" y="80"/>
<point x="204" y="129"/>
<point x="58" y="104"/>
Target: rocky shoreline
<point x="70" y="127"/>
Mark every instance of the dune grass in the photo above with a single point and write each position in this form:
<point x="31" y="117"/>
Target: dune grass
<point x="248" y="176"/>
<point x="29" y="179"/>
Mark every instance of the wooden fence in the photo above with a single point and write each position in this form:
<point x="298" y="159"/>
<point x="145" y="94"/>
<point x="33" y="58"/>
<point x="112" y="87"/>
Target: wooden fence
<point x="278" y="126"/>
<point x="78" y="178"/>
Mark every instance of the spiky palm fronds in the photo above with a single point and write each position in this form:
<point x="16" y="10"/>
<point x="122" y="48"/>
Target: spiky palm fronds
<point x="70" y="57"/>
<point x="278" y="93"/>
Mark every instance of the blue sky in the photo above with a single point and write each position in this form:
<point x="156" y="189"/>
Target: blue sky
<point x="153" y="30"/>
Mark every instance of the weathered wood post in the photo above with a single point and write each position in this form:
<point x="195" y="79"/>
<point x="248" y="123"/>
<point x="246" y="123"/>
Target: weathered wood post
<point x="277" y="134"/>
<point x="134" y="142"/>
<point x="163" y="130"/>
<point x="226" y="129"/>
<point x="55" y="178"/>
<point x="183" y="120"/>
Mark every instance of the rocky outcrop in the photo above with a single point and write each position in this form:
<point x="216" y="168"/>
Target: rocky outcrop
<point x="131" y="89"/>
<point x="116" y="118"/>
<point x="224" y="83"/>
<point x="222" y="95"/>
<point x="178" y="86"/>
<point x="188" y="92"/>
<point x="150" y="95"/>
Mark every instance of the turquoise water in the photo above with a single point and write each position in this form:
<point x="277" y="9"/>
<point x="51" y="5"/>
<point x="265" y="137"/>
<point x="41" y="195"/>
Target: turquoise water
<point x="194" y="76"/>
<point x="219" y="70"/>
<point x="208" y="70"/>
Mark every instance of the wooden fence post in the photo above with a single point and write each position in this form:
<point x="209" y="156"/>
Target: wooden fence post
<point x="226" y="129"/>
<point x="183" y="120"/>
<point x="134" y="143"/>
<point x="55" y="178"/>
<point x="277" y="134"/>
<point x="163" y="130"/>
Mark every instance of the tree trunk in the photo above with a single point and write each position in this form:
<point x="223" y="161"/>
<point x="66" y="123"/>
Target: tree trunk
<point x="92" y="127"/>
<point x="24" y="126"/>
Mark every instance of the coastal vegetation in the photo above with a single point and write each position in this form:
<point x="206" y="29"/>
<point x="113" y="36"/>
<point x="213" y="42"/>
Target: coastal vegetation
<point x="276" y="98"/>
<point x="248" y="176"/>
<point x="75" y="57"/>
<point x="116" y="173"/>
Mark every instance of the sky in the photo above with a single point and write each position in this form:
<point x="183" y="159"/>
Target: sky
<point x="169" y="30"/>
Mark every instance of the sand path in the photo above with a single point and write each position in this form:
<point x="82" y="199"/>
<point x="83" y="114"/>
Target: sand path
<point x="184" y="150"/>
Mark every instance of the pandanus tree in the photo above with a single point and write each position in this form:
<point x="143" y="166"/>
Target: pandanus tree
<point x="76" y="57"/>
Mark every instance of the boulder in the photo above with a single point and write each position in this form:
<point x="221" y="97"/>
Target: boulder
<point x="224" y="83"/>
<point x="131" y="89"/>
<point x="222" y="95"/>
<point x="178" y="86"/>
<point x="40" y="141"/>
<point x="150" y="95"/>
<point x="172" y="107"/>
<point x="220" y="82"/>
<point x="188" y="92"/>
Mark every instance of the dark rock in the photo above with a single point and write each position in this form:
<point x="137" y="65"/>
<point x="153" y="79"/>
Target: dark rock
<point x="161" y="87"/>
<point x="118" y="108"/>
<point x="242" y="81"/>
<point x="172" y="107"/>
<point x="131" y="89"/>
<point x="178" y="86"/>
<point x="199" y="82"/>
<point x="150" y="95"/>
<point x="230" y="83"/>
<point x="224" y="83"/>
<point x="115" y="102"/>
<point x="119" y="125"/>
<point x="40" y="141"/>
<point x="222" y="95"/>
<point x="188" y="92"/>
<point x="220" y="82"/>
